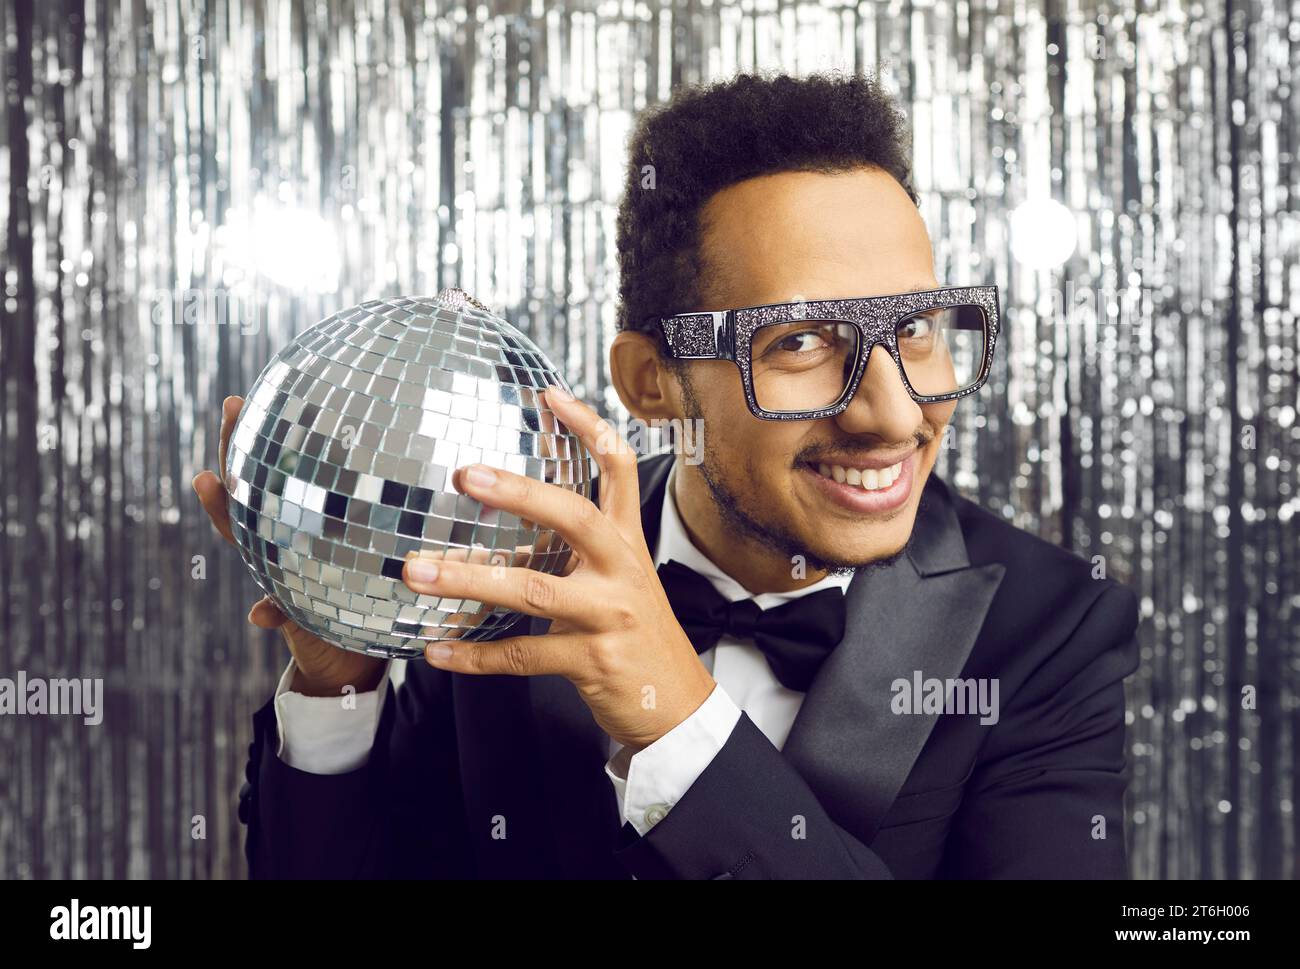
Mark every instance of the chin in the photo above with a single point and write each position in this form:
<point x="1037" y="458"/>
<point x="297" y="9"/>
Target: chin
<point x="879" y="553"/>
<point x="866" y="547"/>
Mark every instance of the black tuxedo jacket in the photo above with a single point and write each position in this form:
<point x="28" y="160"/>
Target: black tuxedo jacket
<point x="503" y="777"/>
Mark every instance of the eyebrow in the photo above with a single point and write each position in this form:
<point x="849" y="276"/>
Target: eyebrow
<point x="921" y="288"/>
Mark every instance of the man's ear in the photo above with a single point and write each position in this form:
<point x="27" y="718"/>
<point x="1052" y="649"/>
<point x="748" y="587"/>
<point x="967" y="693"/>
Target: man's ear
<point x="643" y="381"/>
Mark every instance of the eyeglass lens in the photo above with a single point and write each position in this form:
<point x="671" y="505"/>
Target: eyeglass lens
<point x="807" y="364"/>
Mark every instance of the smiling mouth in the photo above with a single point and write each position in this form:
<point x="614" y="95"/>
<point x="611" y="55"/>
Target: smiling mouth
<point x="868" y="479"/>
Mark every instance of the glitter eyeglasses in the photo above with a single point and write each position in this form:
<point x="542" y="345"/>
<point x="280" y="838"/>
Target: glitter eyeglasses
<point x="805" y="359"/>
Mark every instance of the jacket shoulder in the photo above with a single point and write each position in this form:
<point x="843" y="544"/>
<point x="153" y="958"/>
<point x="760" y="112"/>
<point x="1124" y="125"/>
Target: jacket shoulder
<point x="1042" y="579"/>
<point x="1058" y="630"/>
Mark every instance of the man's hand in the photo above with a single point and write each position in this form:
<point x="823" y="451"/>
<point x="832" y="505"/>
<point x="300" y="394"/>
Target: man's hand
<point x="613" y="633"/>
<point x="323" y="669"/>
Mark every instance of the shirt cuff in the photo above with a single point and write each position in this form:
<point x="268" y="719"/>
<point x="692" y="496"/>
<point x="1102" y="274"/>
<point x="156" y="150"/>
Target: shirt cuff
<point x="327" y="734"/>
<point x="649" y="782"/>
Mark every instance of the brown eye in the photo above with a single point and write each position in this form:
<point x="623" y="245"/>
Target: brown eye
<point x="918" y="328"/>
<point x="803" y="342"/>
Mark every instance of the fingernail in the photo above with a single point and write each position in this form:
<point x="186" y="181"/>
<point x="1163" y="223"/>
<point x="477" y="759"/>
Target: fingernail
<point x="422" y="570"/>
<point x="480" y="475"/>
<point x="438" y="651"/>
<point x="559" y="392"/>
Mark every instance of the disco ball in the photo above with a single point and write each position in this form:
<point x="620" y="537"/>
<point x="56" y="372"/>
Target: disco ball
<point x="341" y="461"/>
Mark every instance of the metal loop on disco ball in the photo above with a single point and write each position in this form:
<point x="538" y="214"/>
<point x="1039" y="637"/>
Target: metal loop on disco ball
<point x="340" y="465"/>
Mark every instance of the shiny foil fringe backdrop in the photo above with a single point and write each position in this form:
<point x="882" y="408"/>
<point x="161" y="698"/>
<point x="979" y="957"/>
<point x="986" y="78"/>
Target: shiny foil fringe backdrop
<point x="188" y="185"/>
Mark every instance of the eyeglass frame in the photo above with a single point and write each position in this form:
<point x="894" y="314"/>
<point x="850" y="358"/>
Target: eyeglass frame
<point x="715" y="334"/>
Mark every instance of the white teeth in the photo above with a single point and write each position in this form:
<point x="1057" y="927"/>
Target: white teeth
<point x="868" y="480"/>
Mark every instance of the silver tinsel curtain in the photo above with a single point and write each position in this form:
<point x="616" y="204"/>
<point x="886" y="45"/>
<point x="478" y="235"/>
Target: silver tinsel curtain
<point x="189" y="184"/>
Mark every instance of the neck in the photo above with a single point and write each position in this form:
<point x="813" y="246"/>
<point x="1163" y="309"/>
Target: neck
<point x="756" y="566"/>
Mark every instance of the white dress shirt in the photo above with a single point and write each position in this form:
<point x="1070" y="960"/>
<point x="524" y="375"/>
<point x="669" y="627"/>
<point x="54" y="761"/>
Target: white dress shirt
<point x="333" y="735"/>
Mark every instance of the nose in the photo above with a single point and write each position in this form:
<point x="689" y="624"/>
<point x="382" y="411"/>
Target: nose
<point x="881" y="405"/>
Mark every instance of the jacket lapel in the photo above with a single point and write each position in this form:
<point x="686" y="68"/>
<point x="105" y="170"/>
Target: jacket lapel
<point x="923" y="613"/>
<point x="574" y="749"/>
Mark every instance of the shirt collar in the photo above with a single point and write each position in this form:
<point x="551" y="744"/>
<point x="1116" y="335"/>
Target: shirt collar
<point x="676" y="545"/>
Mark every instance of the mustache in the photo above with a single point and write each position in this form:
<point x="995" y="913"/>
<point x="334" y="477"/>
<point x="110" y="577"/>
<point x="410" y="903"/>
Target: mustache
<point x="851" y="450"/>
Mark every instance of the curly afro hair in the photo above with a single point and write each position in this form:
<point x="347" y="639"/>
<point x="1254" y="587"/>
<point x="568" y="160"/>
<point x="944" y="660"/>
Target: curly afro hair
<point x="706" y="138"/>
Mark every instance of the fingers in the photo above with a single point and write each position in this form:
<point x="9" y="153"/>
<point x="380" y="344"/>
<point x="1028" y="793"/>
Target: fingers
<point x="454" y="626"/>
<point x="516" y="656"/>
<point x="211" y="488"/>
<point x="620" y="490"/>
<point x="479" y="554"/>
<point x="212" y="496"/>
<point x="517" y="589"/>
<point x="267" y="614"/>
<point x="230" y="408"/>
<point x="594" y="536"/>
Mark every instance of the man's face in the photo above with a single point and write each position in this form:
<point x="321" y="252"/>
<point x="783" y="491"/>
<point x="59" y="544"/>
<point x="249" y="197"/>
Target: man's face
<point x="795" y="236"/>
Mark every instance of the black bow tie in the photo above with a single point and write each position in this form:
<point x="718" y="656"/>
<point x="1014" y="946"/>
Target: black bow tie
<point x="795" y="637"/>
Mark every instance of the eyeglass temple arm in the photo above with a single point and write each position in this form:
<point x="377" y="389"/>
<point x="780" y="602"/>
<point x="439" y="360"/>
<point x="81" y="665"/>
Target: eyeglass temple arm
<point x="700" y="336"/>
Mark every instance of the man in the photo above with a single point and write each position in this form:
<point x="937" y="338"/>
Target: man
<point x="750" y="669"/>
